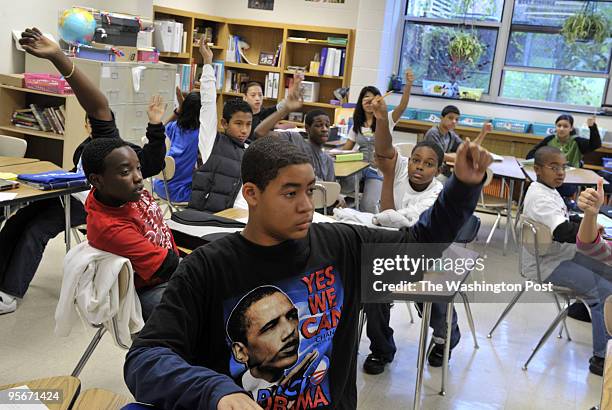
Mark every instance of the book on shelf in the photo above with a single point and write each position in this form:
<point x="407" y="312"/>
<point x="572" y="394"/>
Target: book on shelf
<point x="187" y="76"/>
<point x="48" y="119"/>
<point x="332" y="61"/>
<point x="277" y="55"/>
<point x="271" y="85"/>
<point x="219" y="69"/>
<point x="235" y="81"/>
<point x="296" y="38"/>
<point x="337" y="41"/>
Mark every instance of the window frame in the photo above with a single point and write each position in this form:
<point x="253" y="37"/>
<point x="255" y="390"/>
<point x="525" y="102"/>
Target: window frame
<point x="504" y="29"/>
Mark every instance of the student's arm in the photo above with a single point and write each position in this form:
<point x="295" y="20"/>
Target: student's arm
<point x="541" y="144"/>
<point x="180" y="98"/>
<point x="594" y="141"/>
<point x="382" y="136"/>
<point x="388" y="168"/>
<point x="350" y="142"/>
<point x="486" y="128"/>
<point x="91" y="98"/>
<point x="292" y="102"/>
<point x="153" y="153"/>
<point x="590" y="201"/>
<point x="208" y="109"/>
<point x="159" y="368"/>
<point x="399" y="110"/>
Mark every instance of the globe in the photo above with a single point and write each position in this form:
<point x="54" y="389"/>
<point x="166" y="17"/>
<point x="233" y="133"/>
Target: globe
<point x="76" y="25"/>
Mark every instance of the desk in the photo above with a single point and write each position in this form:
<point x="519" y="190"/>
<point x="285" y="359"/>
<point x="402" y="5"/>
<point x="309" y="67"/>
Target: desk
<point x="234" y="213"/>
<point x="26" y="193"/>
<point x="422" y="294"/>
<point x="70" y="387"/>
<point x="346" y="169"/>
<point x="575" y="176"/>
<point x="94" y="399"/>
<point x="6" y="161"/>
<point x="509" y="168"/>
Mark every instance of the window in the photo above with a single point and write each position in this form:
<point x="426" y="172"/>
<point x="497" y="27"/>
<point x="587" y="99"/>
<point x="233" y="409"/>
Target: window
<point x="525" y="55"/>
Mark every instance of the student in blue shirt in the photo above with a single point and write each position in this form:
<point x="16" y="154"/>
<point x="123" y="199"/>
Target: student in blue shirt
<point x="183" y="135"/>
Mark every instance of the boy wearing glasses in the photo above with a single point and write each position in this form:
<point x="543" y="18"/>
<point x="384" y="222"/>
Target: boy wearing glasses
<point x="561" y="265"/>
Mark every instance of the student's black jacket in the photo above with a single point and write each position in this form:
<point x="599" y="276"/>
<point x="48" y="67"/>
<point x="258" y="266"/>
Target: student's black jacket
<point x="585" y="145"/>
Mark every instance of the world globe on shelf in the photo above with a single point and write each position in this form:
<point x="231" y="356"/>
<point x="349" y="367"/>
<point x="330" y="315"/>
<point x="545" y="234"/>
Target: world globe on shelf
<point x="76" y="26"/>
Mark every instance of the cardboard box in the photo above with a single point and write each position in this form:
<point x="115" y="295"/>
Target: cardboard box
<point x="126" y="54"/>
<point x="14" y="80"/>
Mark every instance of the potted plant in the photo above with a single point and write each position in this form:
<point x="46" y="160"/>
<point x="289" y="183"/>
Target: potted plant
<point x="465" y="48"/>
<point x="586" y="26"/>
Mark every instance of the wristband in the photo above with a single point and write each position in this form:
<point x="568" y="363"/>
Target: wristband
<point x="71" y="72"/>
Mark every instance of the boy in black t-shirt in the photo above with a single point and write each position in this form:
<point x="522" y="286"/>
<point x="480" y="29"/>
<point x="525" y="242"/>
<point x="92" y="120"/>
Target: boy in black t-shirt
<point x="267" y="318"/>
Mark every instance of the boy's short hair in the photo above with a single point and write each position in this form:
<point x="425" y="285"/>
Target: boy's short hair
<point x="96" y="151"/>
<point x="450" y="109"/>
<point x="265" y="157"/>
<point x="543" y="153"/>
<point x="233" y="106"/>
<point x="312" y="114"/>
<point x="252" y="84"/>
<point x="435" y="147"/>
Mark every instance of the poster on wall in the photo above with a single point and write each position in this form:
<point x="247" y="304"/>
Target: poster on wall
<point x="262" y="4"/>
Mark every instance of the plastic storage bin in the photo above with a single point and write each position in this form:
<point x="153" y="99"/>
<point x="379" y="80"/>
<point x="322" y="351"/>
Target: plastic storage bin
<point x="429" y="115"/>
<point x="475" y="121"/>
<point x="50" y="83"/>
<point x="543" y="130"/>
<point x="504" y="124"/>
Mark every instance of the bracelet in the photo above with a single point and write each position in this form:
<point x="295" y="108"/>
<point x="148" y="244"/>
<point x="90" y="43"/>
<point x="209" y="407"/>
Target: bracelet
<point x="71" y="72"/>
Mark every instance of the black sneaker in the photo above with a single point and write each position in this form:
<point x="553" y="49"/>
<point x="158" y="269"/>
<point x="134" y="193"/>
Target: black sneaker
<point x="436" y="356"/>
<point x="596" y="365"/>
<point x="578" y="311"/>
<point x="375" y="364"/>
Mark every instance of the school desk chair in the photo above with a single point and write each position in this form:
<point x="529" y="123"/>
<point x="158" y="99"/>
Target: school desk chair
<point x="405" y="148"/>
<point x="536" y="239"/>
<point x="12" y="146"/>
<point x="492" y="203"/>
<point x="325" y="194"/>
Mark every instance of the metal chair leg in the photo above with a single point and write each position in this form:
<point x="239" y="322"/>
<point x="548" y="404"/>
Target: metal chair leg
<point x="410" y="311"/>
<point x="495" y="224"/>
<point x="421" y="357"/>
<point x="508" y="308"/>
<point x="470" y="318"/>
<point x="88" y="352"/>
<point x="449" y="325"/>
<point x="362" y="321"/>
<point x="560" y="335"/>
<point x="560" y="317"/>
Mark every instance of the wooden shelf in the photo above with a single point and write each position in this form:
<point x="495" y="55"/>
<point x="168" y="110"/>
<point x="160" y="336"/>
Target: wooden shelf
<point x="321" y="105"/>
<point x="234" y="94"/>
<point x="316" y="43"/>
<point x="211" y="47"/>
<point x="311" y="75"/>
<point x="296" y="123"/>
<point x="252" y="67"/>
<point x="26" y="131"/>
<point x="593" y="167"/>
<point x="175" y="55"/>
<point x="28" y="90"/>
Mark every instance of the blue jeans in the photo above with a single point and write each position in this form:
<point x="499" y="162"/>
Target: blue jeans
<point x="372" y="188"/>
<point x="150" y="297"/>
<point x="584" y="275"/>
<point x="378" y="330"/>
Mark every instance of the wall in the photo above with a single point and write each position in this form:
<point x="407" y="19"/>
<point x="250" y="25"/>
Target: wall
<point x="294" y="12"/>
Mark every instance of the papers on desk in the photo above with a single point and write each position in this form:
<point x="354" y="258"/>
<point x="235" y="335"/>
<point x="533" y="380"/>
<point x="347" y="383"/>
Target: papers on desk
<point x="7" y="196"/>
<point x="28" y="401"/>
<point x="336" y="151"/>
<point x="525" y="162"/>
<point x="497" y="158"/>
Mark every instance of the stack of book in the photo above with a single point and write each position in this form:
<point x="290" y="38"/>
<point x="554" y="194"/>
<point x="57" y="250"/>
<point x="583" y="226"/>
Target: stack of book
<point x="186" y="76"/>
<point x="236" y="82"/>
<point x="50" y="119"/>
<point x="332" y="61"/>
<point x="271" y="85"/>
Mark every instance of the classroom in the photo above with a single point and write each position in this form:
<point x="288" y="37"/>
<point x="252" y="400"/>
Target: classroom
<point x="300" y="204"/>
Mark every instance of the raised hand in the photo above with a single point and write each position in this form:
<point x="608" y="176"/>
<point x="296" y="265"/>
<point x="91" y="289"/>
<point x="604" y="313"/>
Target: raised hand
<point x="409" y="77"/>
<point x="205" y="52"/>
<point x="487" y="127"/>
<point x="380" y="107"/>
<point x="156" y="109"/>
<point x="237" y="401"/>
<point x="34" y="42"/>
<point x="295" y="100"/>
<point x="591" y="121"/>
<point x="386" y="165"/>
<point x="471" y="163"/>
<point x="591" y="200"/>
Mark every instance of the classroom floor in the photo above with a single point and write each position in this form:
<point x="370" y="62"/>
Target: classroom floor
<point x="487" y="378"/>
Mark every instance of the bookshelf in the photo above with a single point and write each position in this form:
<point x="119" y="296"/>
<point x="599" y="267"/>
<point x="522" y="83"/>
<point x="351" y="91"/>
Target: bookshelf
<point x="47" y="146"/>
<point x="299" y="44"/>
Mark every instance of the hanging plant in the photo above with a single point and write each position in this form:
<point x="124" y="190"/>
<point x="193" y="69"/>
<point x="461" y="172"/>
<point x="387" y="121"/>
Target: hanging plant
<point x="586" y="26"/>
<point x="465" y="48"/>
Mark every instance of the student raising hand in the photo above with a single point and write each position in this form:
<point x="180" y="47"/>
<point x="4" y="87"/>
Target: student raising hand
<point x="34" y="42"/>
<point x="294" y="100"/>
<point x="591" y="121"/>
<point x="205" y="52"/>
<point x="156" y="109"/>
<point x="380" y="107"/>
<point x="471" y="163"/>
<point x="591" y="200"/>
